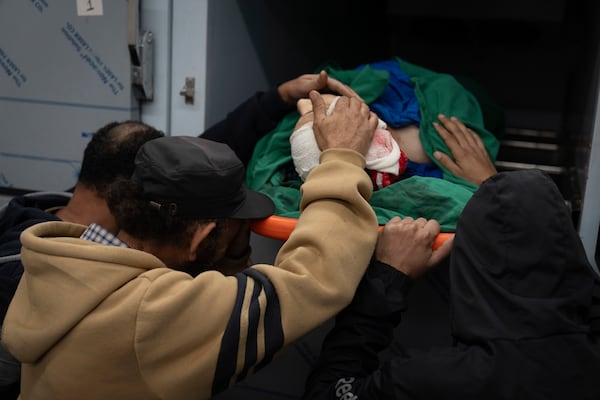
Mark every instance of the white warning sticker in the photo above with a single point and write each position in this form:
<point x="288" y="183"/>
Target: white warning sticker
<point x="88" y="8"/>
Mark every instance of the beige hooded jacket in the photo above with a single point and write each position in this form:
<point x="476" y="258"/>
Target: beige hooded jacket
<point x="91" y="321"/>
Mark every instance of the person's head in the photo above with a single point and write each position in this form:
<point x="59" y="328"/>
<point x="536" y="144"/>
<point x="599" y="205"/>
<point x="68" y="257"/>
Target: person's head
<point x="108" y="156"/>
<point x="111" y="152"/>
<point x="182" y="197"/>
<point x="518" y="268"/>
<point x="385" y="161"/>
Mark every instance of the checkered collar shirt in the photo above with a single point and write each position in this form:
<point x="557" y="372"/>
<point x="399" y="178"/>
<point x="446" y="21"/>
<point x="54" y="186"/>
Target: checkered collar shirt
<point x="97" y="234"/>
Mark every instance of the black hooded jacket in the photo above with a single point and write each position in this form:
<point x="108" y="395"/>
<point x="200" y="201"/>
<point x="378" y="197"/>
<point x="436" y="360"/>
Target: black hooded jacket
<point x="19" y="214"/>
<point x="524" y="305"/>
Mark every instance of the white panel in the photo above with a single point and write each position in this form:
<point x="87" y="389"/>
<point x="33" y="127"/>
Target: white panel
<point x="62" y="76"/>
<point x="188" y="60"/>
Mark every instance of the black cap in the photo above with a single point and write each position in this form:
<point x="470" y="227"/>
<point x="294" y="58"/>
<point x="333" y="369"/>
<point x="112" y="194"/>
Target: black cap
<point x="191" y="177"/>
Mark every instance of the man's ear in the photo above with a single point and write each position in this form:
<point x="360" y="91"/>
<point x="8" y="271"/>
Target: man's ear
<point x="198" y="236"/>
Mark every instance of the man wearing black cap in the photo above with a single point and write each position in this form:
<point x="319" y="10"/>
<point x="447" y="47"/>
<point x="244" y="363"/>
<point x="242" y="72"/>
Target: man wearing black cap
<point x="104" y="316"/>
<point x="109" y="155"/>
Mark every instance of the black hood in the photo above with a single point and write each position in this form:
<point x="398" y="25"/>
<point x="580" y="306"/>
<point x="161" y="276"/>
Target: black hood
<point x="518" y="269"/>
<point x="20" y="213"/>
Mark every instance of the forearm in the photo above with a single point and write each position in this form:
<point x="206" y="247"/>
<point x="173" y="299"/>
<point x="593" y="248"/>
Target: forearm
<point x="320" y="265"/>
<point x="350" y="351"/>
<point x="251" y="120"/>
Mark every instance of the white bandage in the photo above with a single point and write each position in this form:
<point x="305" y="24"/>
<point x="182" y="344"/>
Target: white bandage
<point x="305" y="151"/>
<point x="383" y="154"/>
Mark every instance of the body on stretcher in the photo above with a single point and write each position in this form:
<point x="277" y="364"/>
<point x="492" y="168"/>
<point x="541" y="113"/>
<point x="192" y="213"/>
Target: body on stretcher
<point x="407" y="99"/>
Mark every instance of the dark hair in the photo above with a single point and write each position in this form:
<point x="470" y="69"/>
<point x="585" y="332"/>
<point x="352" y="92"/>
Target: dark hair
<point x="138" y="217"/>
<point x="110" y="154"/>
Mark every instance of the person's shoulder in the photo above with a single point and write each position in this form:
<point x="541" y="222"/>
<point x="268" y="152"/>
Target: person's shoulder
<point x="31" y="208"/>
<point x="37" y="200"/>
<point x="20" y="213"/>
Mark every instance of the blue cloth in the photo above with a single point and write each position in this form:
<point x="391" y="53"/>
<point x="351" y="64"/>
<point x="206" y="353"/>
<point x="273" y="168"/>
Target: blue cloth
<point x="426" y="169"/>
<point x="398" y="105"/>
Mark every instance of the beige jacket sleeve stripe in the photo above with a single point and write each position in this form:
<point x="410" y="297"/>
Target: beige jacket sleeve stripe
<point x="235" y="358"/>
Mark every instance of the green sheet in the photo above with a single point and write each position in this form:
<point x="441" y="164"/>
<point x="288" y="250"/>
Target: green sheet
<point x="270" y="170"/>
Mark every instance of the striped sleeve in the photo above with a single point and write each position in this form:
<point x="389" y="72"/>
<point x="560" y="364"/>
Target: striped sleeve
<point x="254" y="332"/>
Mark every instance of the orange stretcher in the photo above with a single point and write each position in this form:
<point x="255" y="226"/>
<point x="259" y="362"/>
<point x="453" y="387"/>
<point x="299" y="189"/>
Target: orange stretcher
<point x="276" y="227"/>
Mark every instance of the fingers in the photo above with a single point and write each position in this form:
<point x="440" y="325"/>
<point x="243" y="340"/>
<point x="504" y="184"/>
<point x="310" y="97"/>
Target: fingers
<point x="441" y="252"/>
<point x="457" y="137"/>
<point x="332" y="85"/>
<point x="470" y="159"/>
<point x="468" y="135"/>
<point x="300" y="87"/>
<point x="347" y="123"/>
<point x="355" y="105"/>
<point x="318" y="104"/>
<point x="447" y="137"/>
<point x="458" y="129"/>
<point x="344" y="90"/>
<point x="406" y="245"/>
<point x="456" y="134"/>
<point x="373" y="119"/>
<point x="477" y="140"/>
<point x="446" y="162"/>
<point x="393" y="221"/>
<point x="452" y="131"/>
<point x="429" y="229"/>
<point x="432" y="227"/>
<point x="322" y="80"/>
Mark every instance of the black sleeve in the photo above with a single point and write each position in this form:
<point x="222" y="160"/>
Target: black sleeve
<point x="350" y="351"/>
<point x="19" y="214"/>
<point x="251" y="120"/>
<point x="595" y="309"/>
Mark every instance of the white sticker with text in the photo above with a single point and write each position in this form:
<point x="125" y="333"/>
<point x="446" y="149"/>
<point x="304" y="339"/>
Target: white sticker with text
<point x="86" y="8"/>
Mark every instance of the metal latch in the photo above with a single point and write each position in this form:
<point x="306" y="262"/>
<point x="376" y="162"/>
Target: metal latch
<point x="141" y="52"/>
<point x="141" y="75"/>
<point x="189" y="90"/>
